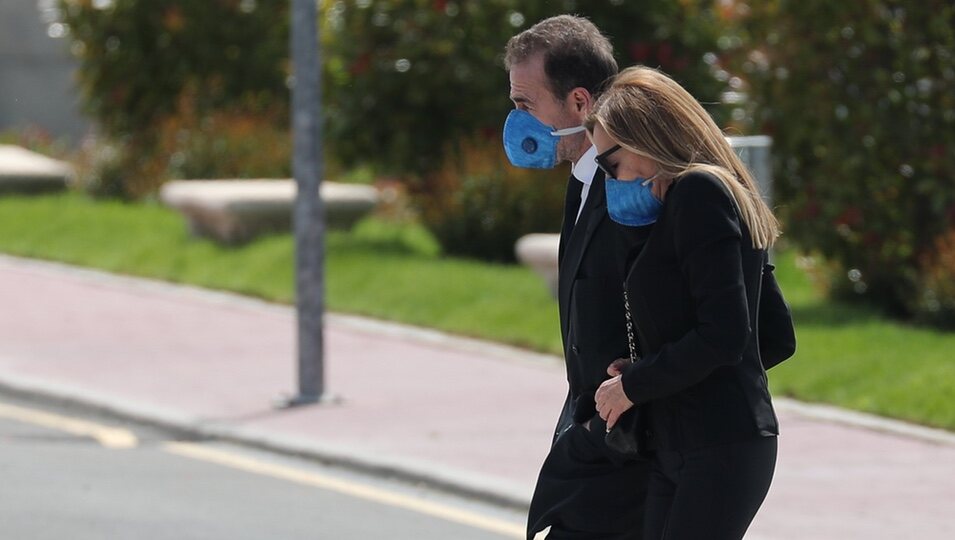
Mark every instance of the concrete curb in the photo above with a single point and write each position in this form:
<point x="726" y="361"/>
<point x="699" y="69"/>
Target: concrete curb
<point x="859" y="420"/>
<point x="449" y="480"/>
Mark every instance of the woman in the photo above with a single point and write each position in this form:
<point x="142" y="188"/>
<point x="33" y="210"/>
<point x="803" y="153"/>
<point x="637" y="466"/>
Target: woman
<point x="698" y="299"/>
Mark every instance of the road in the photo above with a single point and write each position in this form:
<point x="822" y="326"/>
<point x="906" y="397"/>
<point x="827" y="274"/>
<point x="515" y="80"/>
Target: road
<point x="72" y="474"/>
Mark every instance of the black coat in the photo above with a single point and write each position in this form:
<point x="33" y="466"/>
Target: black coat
<point x="593" y="262"/>
<point x="693" y="293"/>
<point x="586" y="490"/>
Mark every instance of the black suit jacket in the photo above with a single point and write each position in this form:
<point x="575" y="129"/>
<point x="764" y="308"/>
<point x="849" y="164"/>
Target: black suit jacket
<point x="593" y="261"/>
<point x="693" y="294"/>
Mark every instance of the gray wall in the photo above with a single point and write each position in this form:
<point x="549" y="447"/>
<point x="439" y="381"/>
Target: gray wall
<point x="36" y="74"/>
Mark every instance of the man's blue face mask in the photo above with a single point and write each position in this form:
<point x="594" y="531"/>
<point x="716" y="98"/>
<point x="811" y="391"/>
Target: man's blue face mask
<point x="530" y="143"/>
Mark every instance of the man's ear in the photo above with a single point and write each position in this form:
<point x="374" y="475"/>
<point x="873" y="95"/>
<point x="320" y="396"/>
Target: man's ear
<point x="581" y="100"/>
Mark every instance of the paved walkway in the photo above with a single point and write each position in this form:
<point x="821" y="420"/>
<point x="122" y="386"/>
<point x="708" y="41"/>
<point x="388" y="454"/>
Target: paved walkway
<point x="468" y="415"/>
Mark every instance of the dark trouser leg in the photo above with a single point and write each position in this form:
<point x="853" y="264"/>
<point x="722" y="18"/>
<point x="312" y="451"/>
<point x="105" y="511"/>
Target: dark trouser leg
<point x="585" y="492"/>
<point x="710" y="493"/>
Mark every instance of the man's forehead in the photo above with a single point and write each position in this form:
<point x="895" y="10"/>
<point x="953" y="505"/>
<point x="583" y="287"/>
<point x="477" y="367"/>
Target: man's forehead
<point x="520" y="94"/>
<point x="528" y="79"/>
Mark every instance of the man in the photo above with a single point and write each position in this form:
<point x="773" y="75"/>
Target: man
<point x="556" y="68"/>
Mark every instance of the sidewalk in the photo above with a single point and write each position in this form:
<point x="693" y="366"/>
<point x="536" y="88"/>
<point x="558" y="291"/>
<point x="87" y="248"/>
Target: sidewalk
<point x="466" y="415"/>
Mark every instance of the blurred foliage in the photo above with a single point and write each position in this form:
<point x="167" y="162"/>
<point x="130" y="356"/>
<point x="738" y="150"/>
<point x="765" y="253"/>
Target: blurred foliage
<point x="480" y="204"/>
<point x="138" y="57"/>
<point x="38" y="140"/>
<point x="180" y="87"/>
<point x="859" y="98"/>
<point x="235" y="142"/>
<point x="102" y="169"/>
<point x="935" y="301"/>
<point x="404" y="78"/>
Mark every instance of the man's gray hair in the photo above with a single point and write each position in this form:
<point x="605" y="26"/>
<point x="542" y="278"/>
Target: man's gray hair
<point x="575" y="53"/>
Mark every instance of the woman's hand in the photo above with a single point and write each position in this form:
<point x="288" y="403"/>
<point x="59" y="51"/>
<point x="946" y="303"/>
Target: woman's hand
<point x="616" y="367"/>
<point x="611" y="400"/>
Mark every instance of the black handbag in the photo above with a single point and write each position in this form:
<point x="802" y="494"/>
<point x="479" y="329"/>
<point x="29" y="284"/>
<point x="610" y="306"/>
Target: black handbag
<point x="629" y="435"/>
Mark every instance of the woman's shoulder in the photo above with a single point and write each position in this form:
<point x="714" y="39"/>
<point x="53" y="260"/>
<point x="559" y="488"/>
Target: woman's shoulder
<point x="703" y="209"/>
<point x="699" y="186"/>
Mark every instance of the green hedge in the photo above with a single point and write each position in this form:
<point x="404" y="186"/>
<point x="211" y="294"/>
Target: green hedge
<point x="139" y="57"/>
<point x="162" y="78"/>
<point x="860" y="100"/>
<point x="479" y="204"/>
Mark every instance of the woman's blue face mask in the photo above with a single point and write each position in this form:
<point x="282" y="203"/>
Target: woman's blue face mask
<point x="530" y="143"/>
<point x="629" y="202"/>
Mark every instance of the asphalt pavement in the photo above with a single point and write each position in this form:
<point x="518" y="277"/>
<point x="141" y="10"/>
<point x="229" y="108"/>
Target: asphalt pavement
<point x="461" y="415"/>
<point x="79" y="476"/>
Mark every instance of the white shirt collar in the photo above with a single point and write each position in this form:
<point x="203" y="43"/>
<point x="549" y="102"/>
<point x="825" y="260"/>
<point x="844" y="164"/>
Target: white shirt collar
<point x="585" y="167"/>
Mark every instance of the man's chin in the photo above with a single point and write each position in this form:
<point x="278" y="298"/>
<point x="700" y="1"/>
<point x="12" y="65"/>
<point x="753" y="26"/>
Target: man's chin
<point x="572" y="155"/>
<point x="571" y="160"/>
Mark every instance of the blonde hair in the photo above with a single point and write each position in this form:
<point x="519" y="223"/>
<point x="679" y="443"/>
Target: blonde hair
<point x="651" y="115"/>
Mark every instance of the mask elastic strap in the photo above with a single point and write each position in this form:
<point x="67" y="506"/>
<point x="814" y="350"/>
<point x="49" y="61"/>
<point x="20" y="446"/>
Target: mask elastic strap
<point x="648" y="180"/>
<point x="568" y="131"/>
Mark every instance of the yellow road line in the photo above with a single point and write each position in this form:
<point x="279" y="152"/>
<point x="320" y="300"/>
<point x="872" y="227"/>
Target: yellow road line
<point x="109" y="437"/>
<point x="448" y="513"/>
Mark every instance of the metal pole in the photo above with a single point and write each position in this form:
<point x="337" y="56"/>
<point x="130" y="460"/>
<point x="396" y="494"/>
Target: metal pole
<point x="309" y="215"/>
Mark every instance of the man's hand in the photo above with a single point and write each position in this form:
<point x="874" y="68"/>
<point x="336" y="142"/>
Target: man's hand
<point x="611" y="400"/>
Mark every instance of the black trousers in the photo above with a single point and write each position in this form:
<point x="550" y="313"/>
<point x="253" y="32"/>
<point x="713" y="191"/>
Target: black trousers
<point x="708" y="493"/>
<point x="586" y="491"/>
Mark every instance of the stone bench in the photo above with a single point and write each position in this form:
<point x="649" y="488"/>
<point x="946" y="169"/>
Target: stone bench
<point x="23" y="171"/>
<point x="539" y="251"/>
<point x="235" y="211"/>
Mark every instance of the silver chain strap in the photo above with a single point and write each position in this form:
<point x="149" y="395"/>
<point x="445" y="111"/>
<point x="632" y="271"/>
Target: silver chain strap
<point x="631" y="340"/>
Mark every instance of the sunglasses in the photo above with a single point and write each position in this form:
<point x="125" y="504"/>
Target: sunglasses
<point x="604" y="165"/>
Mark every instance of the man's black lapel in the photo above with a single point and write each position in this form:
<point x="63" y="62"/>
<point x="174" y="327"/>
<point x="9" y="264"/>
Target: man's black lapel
<point x="593" y="213"/>
<point x="571" y="205"/>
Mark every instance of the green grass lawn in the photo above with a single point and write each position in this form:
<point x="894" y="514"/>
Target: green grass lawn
<point x="847" y="356"/>
<point x="379" y="269"/>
